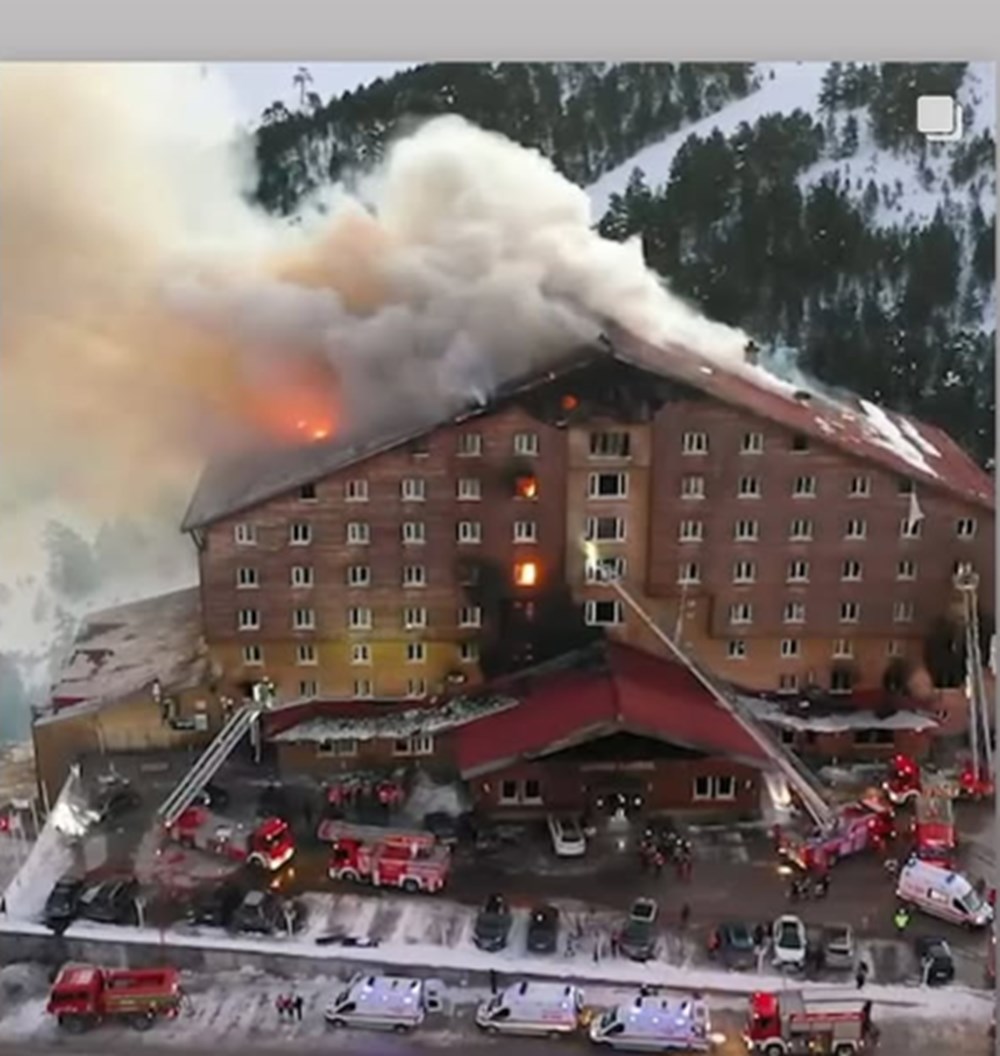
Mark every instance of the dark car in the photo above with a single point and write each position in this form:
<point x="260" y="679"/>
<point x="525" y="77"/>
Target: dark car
<point x="264" y="913"/>
<point x="937" y="965"/>
<point x="733" y="945"/>
<point x="216" y="906"/>
<point x="114" y="799"/>
<point x="543" y="930"/>
<point x="637" y="940"/>
<point x="443" y="827"/>
<point x="63" y="903"/>
<point x="110" y="902"/>
<point x="492" y="924"/>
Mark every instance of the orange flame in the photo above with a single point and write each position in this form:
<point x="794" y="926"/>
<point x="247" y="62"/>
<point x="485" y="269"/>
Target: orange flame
<point x="526" y="487"/>
<point x="526" y="573"/>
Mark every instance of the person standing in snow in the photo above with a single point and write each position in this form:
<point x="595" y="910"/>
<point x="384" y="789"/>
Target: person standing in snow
<point x="281" y="1005"/>
<point x="297" y="1004"/>
<point x="861" y="975"/>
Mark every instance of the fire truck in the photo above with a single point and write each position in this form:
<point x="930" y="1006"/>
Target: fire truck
<point x="413" y="861"/>
<point x="934" y="831"/>
<point x="903" y="782"/>
<point x="83" y="996"/>
<point x="267" y="844"/>
<point x="867" y="823"/>
<point x="790" y="1023"/>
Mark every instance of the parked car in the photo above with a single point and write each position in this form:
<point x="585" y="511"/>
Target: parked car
<point x="543" y="930"/>
<point x="216" y="906"/>
<point x="115" y="798"/>
<point x="111" y="902"/>
<point x="568" y="840"/>
<point x="638" y="938"/>
<point x="838" y="951"/>
<point x="937" y="964"/>
<point x="264" y="913"/>
<point x="733" y="945"/>
<point x="443" y="827"/>
<point x="788" y="941"/>
<point x="63" y="903"/>
<point x="214" y="796"/>
<point x="492" y="926"/>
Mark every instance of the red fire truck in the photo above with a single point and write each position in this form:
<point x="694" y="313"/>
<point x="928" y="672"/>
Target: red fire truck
<point x="790" y="1023"/>
<point x="903" y="782"/>
<point x="866" y="823"/>
<point x="414" y="861"/>
<point x="934" y="831"/>
<point x="267" y="844"/>
<point x="83" y="996"/>
<point x="974" y="786"/>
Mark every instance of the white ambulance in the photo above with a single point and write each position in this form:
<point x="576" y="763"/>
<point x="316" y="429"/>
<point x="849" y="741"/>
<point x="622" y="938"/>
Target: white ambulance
<point x="546" y="1009"/>
<point x="940" y="892"/>
<point x="677" y="1023"/>
<point x="385" y="1002"/>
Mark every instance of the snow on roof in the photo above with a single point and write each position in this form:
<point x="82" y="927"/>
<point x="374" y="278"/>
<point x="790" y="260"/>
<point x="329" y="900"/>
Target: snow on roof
<point x="774" y="714"/>
<point x="899" y="439"/>
<point x="123" y="650"/>
<point x="395" y="724"/>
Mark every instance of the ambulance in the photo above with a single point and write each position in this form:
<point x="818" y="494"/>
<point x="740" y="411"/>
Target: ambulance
<point x="942" y="893"/>
<point x="678" y="1023"/>
<point x="543" y="1009"/>
<point x="385" y="1002"/>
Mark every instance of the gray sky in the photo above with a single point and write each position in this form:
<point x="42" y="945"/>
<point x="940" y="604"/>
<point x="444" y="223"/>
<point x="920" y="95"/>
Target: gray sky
<point x="258" y="84"/>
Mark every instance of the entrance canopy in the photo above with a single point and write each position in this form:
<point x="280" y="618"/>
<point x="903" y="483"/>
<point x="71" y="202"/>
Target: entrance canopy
<point x="606" y="690"/>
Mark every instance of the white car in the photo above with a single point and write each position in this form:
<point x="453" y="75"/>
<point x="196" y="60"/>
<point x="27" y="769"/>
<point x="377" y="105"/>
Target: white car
<point x="568" y="840"/>
<point x="788" y="942"/>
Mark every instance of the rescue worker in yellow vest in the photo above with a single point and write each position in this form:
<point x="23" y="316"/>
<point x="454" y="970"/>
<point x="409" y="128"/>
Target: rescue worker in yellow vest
<point x="901" y="919"/>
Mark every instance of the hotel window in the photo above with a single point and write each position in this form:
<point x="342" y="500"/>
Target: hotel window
<point x="910" y="529"/>
<point x="302" y="576"/>
<point x="736" y="649"/>
<point x="800" y="443"/>
<point x="361" y="653"/>
<point x="420" y="448"/>
<point x="692" y="487"/>
<point x="358" y="533"/>
<point x="416" y="653"/>
<point x="470" y="616"/>
<point x="607" y="486"/>
<point x="363" y="688"/>
<point x="469" y="489"/>
<point x="606" y="568"/>
<point x="850" y="571"/>
<point x="749" y="488"/>
<point x="359" y="619"/>
<point x="856" y="528"/>
<point x="300" y="534"/>
<point x="860" y="487"/>
<point x="249" y="620"/>
<point x="745" y="531"/>
<point x="307" y="493"/>
<point x="356" y="491"/>
<point x="804" y="488"/>
<point x="470" y="445"/>
<point x="416" y="688"/>
<point x="789" y="648"/>
<point x="906" y="569"/>
<point x="725" y="787"/>
<point x="902" y="612"/>
<point x="414" y="533"/>
<point x="303" y="619"/>
<point x="694" y="443"/>
<point x="525" y="532"/>
<point x="247" y="579"/>
<point x="690" y="573"/>
<point x="605" y="529"/>
<point x="416" y="744"/>
<point x="788" y="682"/>
<point x="309" y="688"/>
<point x="610" y="445"/>
<point x="850" y="612"/>
<point x="414" y="576"/>
<point x="787" y="736"/>
<point x="741" y="612"/>
<point x="721" y="787"/>
<point x="305" y="654"/>
<point x="906" y="486"/>
<point x="691" y="531"/>
<point x="343" y="746"/>
<point x="798" y="572"/>
<point x="841" y="680"/>
<point x="752" y="444"/>
<point x="526" y="443"/>
<point x="795" y="612"/>
<point x="744" y="571"/>
<point x="253" y="655"/>
<point x="603" y="613"/>
<point x="413" y="489"/>
<point x="965" y="527"/>
<point x="359" y="576"/>
<point x="800" y="530"/>
<point x="414" y="617"/>
<point x="245" y="534"/>
<point x="468" y="652"/>
<point x="894" y="648"/>
<point x="843" y="649"/>
<point x="470" y="532"/>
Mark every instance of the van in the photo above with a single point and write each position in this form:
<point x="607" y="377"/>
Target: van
<point x="385" y="1002"/>
<point x="547" y="1009"/>
<point x="655" y="1024"/>
<point x="942" y="893"/>
<point x="568" y="840"/>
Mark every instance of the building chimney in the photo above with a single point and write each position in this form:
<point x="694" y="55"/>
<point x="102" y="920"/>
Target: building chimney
<point x="751" y="353"/>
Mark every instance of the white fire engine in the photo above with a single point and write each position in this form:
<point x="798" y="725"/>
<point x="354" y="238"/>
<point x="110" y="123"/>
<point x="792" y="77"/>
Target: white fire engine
<point x="790" y="1023"/>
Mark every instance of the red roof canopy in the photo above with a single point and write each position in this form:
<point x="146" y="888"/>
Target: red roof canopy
<point x="627" y="690"/>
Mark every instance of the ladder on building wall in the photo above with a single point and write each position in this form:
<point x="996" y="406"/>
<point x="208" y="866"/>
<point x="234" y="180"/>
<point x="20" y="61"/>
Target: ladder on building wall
<point x="208" y="763"/>
<point x="980" y="729"/>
